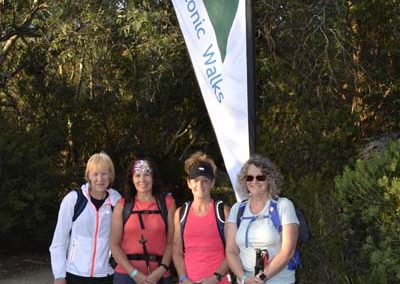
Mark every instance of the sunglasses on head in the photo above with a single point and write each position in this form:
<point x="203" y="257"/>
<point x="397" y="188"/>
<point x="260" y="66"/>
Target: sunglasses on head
<point x="258" y="178"/>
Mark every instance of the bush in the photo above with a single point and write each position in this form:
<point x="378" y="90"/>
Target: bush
<point x="369" y="196"/>
<point x="28" y="192"/>
<point x="322" y="256"/>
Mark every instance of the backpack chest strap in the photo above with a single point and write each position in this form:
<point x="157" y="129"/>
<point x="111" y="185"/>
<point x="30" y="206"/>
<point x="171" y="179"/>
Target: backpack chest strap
<point x="141" y="212"/>
<point x="252" y="219"/>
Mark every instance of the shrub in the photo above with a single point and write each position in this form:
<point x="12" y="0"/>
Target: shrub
<point x="369" y="196"/>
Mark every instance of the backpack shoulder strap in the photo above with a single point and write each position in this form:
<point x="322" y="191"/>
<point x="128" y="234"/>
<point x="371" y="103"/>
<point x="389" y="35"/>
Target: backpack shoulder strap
<point x="239" y="215"/>
<point x="127" y="211"/>
<point x="183" y="213"/>
<point x="162" y="206"/>
<point x="220" y="218"/>
<point x="273" y="211"/>
<point x="80" y="204"/>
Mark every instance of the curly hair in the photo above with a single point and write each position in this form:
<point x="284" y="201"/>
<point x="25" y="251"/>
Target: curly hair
<point x="268" y="168"/>
<point x="129" y="187"/>
<point x="198" y="157"/>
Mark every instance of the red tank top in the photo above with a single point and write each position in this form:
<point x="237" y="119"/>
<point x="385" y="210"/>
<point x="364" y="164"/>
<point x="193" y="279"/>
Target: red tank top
<point x="204" y="250"/>
<point x="154" y="232"/>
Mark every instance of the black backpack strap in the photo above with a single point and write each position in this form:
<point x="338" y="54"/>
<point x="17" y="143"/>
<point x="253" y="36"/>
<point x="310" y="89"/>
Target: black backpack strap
<point x="183" y="213"/>
<point x="220" y="218"/>
<point x="239" y="215"/>
<point x="80" y="204"/>
<point x="162" y="206"/>
<point x="127" y="211"/>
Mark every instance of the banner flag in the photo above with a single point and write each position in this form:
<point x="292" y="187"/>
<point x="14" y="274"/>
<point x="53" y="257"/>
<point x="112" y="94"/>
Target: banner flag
<point x="215" y="36"/>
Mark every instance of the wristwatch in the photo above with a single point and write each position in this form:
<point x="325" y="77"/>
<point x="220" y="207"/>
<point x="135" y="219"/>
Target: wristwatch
<point x="263" y="277"/>
<point x="219" y="276"/>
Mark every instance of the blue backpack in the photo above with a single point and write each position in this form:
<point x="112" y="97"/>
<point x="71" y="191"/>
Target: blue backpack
<point x="304" y="232"/>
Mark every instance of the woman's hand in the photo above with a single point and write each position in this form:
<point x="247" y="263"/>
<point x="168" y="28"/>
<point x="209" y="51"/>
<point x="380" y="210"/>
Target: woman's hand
<point x="253" y="280"/>
<point x="140" y="278"/>
<point x="156" y="275"/>
<point x="209" y="280"/>
<point x="60" y="281"/>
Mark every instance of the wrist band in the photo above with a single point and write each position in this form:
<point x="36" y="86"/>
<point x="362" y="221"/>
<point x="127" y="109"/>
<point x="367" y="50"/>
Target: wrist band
<point x="133" y="273"/>
<point x="164" y="265"/>
<point x="243" y="280"/>
<point x="182" y="278"/>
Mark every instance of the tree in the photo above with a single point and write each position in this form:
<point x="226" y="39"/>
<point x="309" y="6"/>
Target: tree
<point x="370" y="199"/>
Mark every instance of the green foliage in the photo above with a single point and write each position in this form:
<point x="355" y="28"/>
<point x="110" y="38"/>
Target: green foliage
<point x="323" y="256"/>
<point x="28" y="189"/>
<point x="78" y="77"/>
<point x="97" y="75"/>
<point x="369" y="196"/>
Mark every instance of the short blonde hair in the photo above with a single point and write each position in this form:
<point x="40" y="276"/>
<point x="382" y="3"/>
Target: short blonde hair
<point x="197" y="158"/>
<point x="100" y="160"/>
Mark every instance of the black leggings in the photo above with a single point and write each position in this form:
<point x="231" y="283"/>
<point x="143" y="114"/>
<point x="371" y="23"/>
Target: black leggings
<point x="75" y="279"/>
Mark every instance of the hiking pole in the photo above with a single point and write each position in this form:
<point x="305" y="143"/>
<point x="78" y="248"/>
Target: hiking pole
<point x="146" y="254"/>
<point x="143" y="241"/>
<point x="259" y="262"/>
<point x="262" y="257"/>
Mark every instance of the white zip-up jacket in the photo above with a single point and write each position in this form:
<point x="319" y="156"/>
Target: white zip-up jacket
<point x="82" y="247"/>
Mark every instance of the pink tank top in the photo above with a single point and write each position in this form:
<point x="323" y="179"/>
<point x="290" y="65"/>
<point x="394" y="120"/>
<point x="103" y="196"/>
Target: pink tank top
<point x="154" y="233"/>
<point x="204" y="250"/>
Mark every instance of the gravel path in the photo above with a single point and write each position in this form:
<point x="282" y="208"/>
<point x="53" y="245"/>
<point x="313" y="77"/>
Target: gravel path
<point x="38" y="276"/>
<point x="25" y="268"/>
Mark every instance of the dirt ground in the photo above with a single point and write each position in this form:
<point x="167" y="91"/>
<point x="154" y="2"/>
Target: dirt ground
<point x="25" y="269"/>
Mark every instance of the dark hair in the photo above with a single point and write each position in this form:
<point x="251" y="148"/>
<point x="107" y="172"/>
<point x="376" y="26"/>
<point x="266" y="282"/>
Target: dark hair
<point x="130" y="189"/>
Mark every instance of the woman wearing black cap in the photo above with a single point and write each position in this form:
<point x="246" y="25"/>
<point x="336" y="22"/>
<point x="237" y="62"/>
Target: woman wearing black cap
<point x="198" y="249"/>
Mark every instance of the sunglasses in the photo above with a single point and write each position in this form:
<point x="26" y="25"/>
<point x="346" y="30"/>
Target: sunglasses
<point x="258" y="178"/>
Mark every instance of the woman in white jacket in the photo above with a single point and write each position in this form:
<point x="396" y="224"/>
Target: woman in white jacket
<point x="80" y="249"/>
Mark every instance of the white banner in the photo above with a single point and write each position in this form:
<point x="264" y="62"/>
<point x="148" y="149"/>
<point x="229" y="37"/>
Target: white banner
<point x="215" y="35"/>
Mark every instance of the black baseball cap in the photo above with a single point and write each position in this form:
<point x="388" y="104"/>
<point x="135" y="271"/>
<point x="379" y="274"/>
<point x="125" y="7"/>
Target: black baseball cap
<point x="201" y="169"/>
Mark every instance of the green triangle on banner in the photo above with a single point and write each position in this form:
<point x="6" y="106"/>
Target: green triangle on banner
<point x="222" y="14"/>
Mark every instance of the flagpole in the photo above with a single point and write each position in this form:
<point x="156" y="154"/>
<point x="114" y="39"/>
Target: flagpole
<point x="251" y="73"/>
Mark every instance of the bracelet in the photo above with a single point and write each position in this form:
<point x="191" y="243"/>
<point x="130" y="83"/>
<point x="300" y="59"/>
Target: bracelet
<point x="133" y="273"/>
<point x="165" y="266"/>
<point x="243" y="280"/>
<point x="182" y="278"/>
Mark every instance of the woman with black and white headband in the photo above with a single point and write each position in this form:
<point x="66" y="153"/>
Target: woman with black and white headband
<point x="142" y="228"/>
